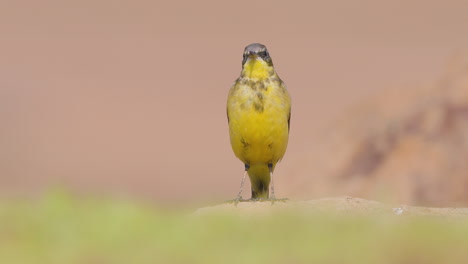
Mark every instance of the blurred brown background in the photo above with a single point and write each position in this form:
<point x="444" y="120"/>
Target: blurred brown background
<point x="128" y="97"/>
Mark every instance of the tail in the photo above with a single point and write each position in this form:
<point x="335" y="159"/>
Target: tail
<point x="259" y="175"/>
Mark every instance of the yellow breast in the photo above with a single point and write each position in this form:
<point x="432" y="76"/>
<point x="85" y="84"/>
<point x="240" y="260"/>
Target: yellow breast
<point x="258" y="111"/>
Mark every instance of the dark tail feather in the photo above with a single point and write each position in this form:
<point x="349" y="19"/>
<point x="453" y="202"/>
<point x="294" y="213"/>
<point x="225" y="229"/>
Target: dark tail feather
<point x="260" y="180"/>
<point x="261" y="190"/>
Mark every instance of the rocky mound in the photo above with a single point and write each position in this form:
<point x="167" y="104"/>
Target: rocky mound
<point x="407" y="145"/>
<point x="337" y="205"/>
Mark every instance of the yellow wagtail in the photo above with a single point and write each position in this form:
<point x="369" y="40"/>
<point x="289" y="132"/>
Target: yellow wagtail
<point x="258" y="110"/>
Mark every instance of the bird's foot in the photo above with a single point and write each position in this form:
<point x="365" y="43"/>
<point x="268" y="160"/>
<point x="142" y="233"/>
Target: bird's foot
<point x="273" y="199"/>
<point x="239" y="199"/>
<point x="236" y="201"/>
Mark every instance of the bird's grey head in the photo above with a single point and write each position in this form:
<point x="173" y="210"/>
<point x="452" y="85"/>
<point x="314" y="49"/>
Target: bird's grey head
<point x="257" y="50"/>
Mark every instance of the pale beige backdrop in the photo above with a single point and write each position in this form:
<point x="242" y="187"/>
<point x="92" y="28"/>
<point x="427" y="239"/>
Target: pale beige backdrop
<point x="128" y="97"/>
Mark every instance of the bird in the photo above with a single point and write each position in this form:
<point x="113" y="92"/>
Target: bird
<point x="259" y="113"/>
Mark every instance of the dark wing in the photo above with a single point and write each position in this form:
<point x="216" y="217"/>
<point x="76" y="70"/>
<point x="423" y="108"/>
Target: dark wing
<point x="289" y="120"/>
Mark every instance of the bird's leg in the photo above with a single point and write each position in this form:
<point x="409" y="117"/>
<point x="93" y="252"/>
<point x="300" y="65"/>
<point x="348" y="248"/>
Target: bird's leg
<point x="272" y="196"/>
<point x="239" y="195"/>
<point x="270" y="167"/>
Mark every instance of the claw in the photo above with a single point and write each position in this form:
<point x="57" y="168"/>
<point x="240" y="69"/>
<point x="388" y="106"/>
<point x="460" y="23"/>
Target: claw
<point x="236" y="201"/>
<point x="273" y="200"/>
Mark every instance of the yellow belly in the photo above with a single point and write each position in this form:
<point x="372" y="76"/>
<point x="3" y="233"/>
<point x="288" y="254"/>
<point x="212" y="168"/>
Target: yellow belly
<point x="259" y="135"/>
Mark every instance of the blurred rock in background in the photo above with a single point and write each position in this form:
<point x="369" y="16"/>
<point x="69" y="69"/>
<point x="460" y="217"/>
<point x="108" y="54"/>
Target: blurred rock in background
<point x="405" y="146"/>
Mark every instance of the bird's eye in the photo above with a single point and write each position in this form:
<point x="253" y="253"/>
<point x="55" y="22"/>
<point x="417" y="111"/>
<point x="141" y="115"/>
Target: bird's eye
<point x="263" y="54"/>
<point x="244" y="59"/>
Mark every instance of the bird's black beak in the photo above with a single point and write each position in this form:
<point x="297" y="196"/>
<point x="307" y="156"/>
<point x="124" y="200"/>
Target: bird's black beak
<point x="252" y="54"/>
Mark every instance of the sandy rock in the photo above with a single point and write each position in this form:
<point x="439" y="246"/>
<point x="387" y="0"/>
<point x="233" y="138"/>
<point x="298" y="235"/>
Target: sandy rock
<point x="405" y="146"/>
<point x="335" y="205"/>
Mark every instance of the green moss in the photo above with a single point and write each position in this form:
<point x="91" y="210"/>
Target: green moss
<point x="62" y="229"/>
